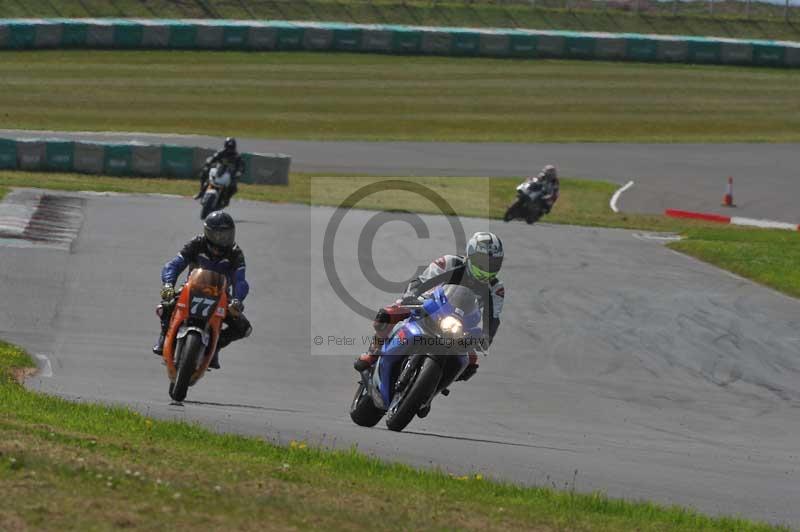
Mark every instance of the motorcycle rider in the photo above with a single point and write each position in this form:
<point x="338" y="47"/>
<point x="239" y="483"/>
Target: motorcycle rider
<point x="227" y="156"/>
<point x="550" y="185"/>
<point x="476" y="270"/>
<point x="214" y="250"/>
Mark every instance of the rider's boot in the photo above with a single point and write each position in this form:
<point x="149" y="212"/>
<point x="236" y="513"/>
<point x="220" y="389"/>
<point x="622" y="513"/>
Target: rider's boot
<point x="215" y="361"/>
<point x="164" y="312"/>
<point x="158" y="348"/>
<point x="202" y="189"/>
<point x="366" y="361"/>
<point x="424" y="411"/>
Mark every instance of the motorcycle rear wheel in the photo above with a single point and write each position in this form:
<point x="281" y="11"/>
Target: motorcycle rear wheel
<point x="187" y="363"/>
<point x="363" y="411"/>
<point x="423" y="387"/>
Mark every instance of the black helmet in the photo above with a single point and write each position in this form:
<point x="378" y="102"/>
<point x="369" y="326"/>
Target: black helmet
<point x="220" y="232"/>
<point x="230" y="144"/>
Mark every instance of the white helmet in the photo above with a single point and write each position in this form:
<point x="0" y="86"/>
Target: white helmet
<point x="484" y="256"/>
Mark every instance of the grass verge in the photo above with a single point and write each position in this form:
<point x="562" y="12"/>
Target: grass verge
<point x="730" y="18"/>
<point x="374" y="97"/>
<point x="769" y="257"/>
<point x="69" y="466"/>
<point x="765" y="256"/>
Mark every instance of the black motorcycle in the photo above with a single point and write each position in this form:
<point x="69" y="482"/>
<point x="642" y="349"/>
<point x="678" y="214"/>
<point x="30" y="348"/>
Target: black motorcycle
<point x="530" y="204"/>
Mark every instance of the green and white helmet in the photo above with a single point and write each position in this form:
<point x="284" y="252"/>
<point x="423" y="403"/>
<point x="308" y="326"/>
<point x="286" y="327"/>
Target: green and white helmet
<point x="484" y="256"/>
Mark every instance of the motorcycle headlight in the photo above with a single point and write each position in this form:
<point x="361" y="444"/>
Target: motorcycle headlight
<point x="451" y="325"/>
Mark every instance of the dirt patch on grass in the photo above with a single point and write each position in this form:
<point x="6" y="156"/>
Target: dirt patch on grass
<point x="11" y="522"/>
<point x="20" y="374"/>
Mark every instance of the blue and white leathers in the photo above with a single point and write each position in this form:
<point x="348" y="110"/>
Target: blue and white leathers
<point x="413" y="335"/>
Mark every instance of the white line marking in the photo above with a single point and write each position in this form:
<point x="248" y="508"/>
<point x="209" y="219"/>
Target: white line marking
<point x="617" y="194"/>
<point x="768" y="224"/>
<point x="659" y="238"/>
<point x="46" y="367"/>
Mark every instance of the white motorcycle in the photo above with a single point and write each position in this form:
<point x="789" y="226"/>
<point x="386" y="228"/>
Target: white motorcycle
<point x="530" y="204"/>
<point x="219" y="178"/>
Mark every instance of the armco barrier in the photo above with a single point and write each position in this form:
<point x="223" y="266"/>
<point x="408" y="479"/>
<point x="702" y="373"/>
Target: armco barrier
<point x="319" y="36"/>
<point x="131" y="159"/>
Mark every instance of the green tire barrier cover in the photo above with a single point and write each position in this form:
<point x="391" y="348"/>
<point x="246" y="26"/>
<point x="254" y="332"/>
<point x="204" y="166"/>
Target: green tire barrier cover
<point x="110" y="33"/>
<point x="406" y="41"/>
<point x="60" y="155"/>
<point x="177" y="161"/>
<point x="128" y="35"/>
<point x="702" y="51"/>
<point x="117" y="159"/>
<point x="347" y="39"/>
<point x="73" y="34"/>
<point x="21" y="35"/>
<point x="522" y="45"/>
<point x="8" y="154"/>
<point x="580" y="47"/>
<point x="133" y="159"/>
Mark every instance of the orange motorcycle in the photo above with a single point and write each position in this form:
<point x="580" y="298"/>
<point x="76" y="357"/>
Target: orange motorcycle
<point x="194" y="329"/>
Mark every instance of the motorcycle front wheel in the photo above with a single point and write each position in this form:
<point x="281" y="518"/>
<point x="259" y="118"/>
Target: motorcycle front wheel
<point x="187" y="363"/>
<point x="209" y="204"/>
<point x="416" y="394"/>
<point x="363" y="411"/>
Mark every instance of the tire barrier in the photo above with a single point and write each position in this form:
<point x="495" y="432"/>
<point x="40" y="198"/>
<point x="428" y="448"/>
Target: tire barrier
<point x="390" y="39"/>
<point x="132" y="159"/>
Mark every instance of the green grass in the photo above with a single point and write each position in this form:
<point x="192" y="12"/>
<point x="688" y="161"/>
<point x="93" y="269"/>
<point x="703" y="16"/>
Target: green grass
<point x="769" y="257"/>
<point x="656" y="17"/>
<point x="374" y="97"/>
<point x="77" y="466"/>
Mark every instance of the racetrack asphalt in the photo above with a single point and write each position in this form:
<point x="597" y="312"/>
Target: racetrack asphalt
<point x="667" y="176"/>
<point x="619" y="366"/>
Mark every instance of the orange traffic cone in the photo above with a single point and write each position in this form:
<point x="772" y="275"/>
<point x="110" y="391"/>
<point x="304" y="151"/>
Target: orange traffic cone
<point x="727" y="199"/>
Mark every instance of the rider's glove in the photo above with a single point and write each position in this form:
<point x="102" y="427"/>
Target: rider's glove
<point x="484" y="341"/>
<point x="468" y="372"/>
<point x="167" y="292"/>
<point x="235" y="307"/>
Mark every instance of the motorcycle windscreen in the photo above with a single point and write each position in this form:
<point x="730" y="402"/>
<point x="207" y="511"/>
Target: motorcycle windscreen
<point x="206" y="289"/>
<point x="455" y="300"/>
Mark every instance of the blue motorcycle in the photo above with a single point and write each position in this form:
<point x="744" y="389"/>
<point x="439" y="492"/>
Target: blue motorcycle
<point x="422" y="356"/>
